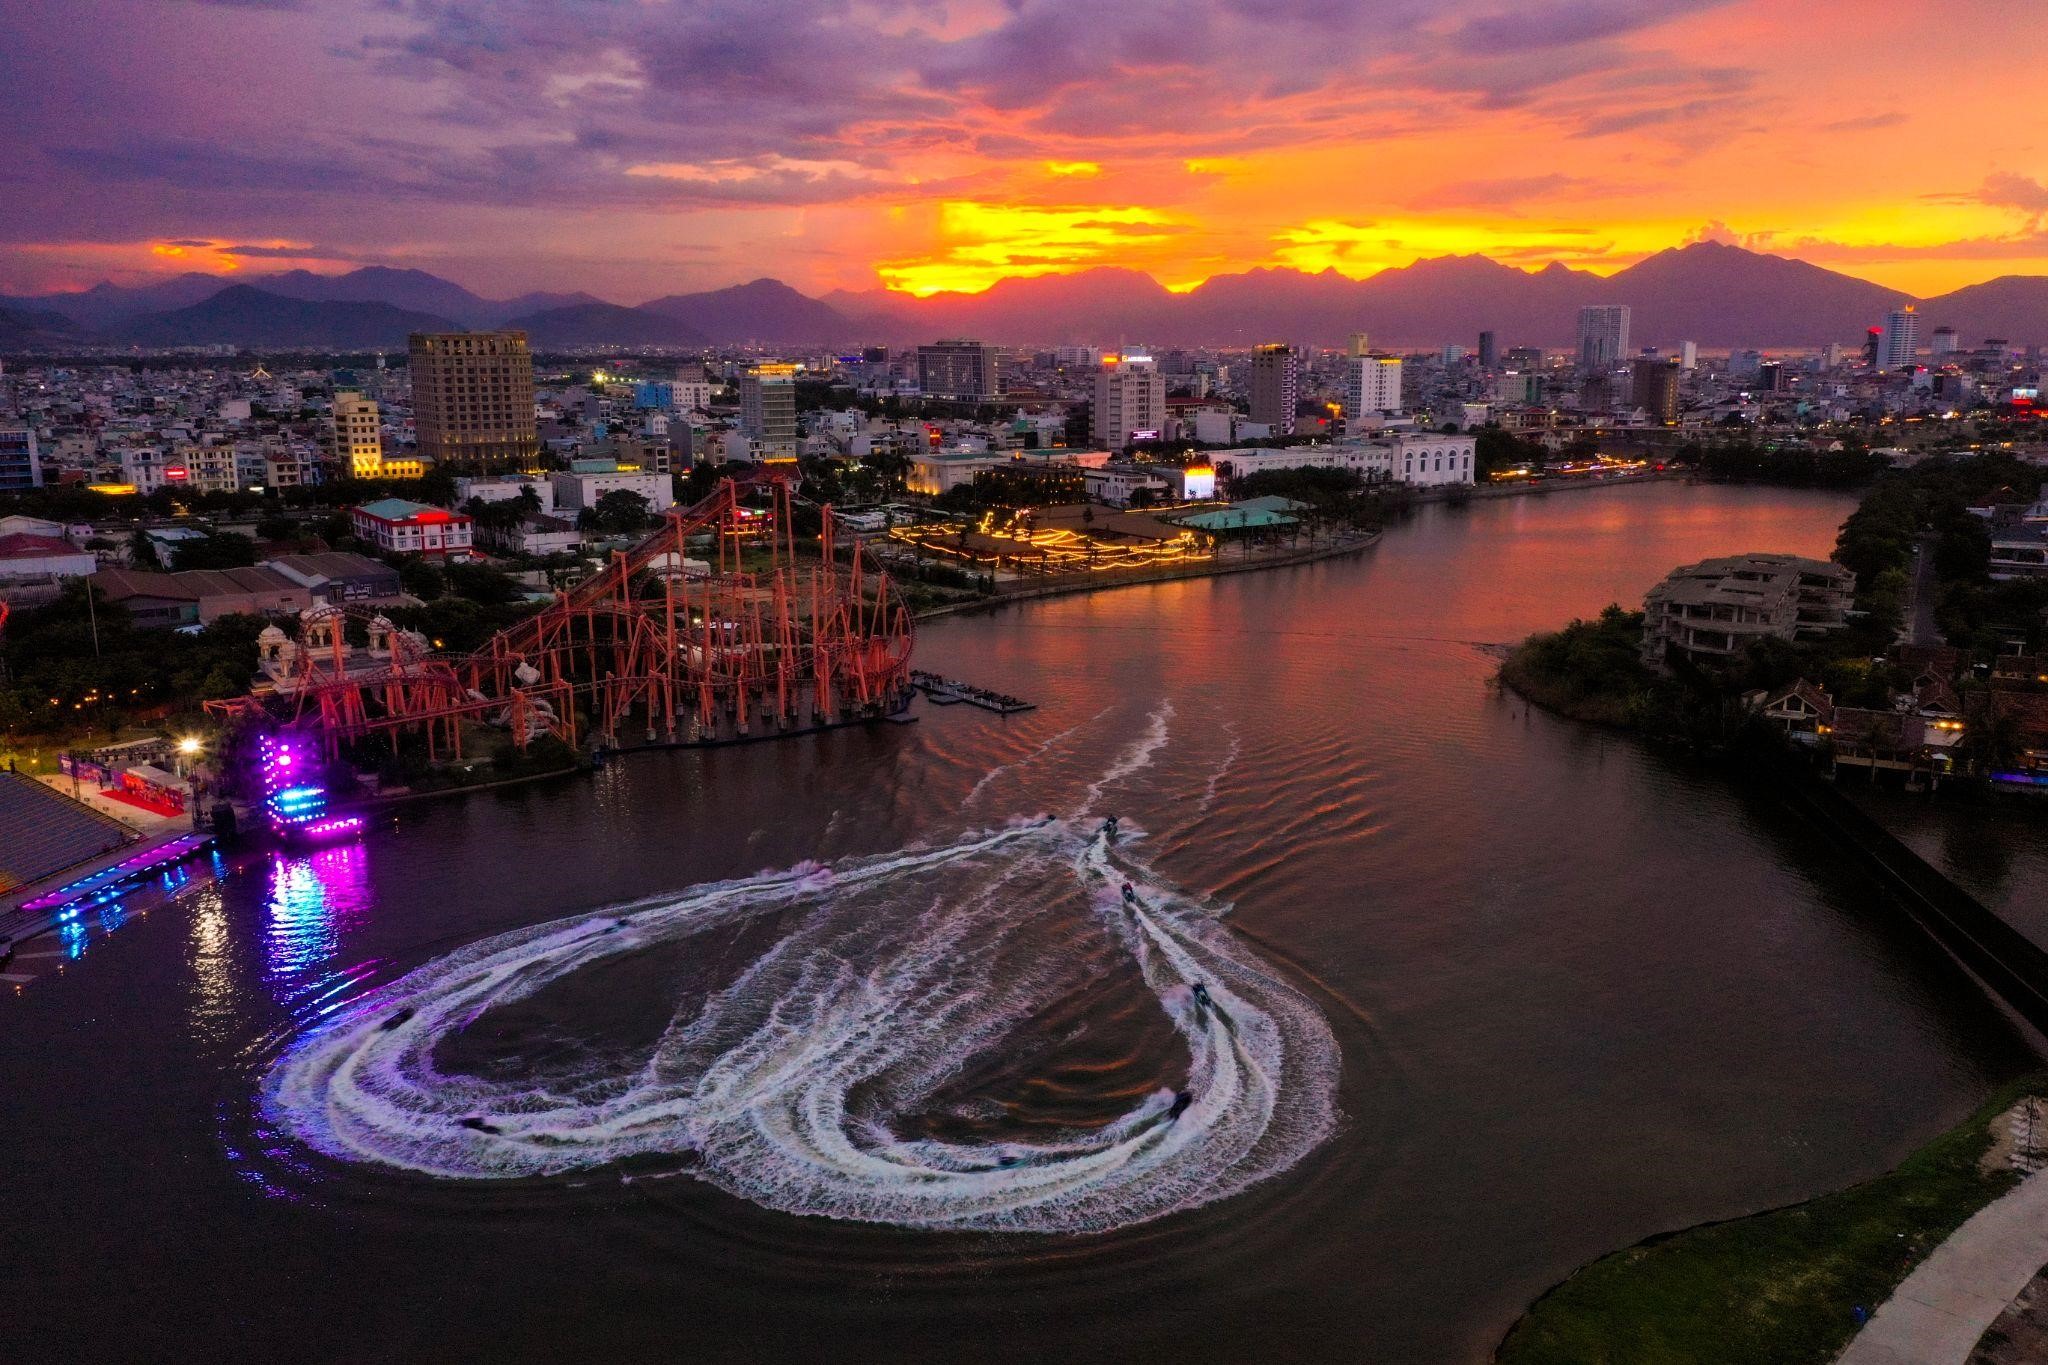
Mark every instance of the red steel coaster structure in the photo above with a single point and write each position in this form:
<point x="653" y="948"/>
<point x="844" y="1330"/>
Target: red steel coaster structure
<point x="654" y="648"/>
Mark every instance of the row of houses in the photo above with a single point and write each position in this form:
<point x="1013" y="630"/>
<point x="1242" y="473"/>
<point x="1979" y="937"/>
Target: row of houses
<point x="1417" y="458"/>
<point x="286" y="584"/>
<point x="1924" y="735"/>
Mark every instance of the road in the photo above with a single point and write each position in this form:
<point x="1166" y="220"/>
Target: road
<point x="1920" y="628"/>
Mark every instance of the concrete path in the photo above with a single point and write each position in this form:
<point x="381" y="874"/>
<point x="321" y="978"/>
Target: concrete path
<point x="1936" y="1316"/>
<point x="1919" y="627"/>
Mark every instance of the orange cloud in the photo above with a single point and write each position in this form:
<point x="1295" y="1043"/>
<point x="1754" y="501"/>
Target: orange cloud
<point x="976" y="244"/>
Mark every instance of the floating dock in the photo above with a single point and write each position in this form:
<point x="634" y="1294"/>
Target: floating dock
<point x="110" y="882"/>
<point x="951" y="692"/>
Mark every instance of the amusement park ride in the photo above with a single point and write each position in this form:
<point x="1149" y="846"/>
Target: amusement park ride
<point x="761" y="644"/>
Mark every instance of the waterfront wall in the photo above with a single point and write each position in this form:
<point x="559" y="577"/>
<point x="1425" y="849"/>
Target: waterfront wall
<point x="2007" y="961"/>
<point x="1102" y="582"/>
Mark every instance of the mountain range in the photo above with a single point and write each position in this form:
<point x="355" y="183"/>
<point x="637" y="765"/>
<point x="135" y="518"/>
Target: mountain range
<point x="1715" y="294"/>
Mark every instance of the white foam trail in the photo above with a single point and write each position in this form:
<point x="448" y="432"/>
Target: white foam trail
<point x="791" y="1081"/>
<point x="1037" y="753"/>
<point x="1229" y="760"/>
<point x="1135" y="758"/>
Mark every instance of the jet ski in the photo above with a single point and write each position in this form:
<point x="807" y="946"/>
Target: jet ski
<point x="1181" y="1101"/>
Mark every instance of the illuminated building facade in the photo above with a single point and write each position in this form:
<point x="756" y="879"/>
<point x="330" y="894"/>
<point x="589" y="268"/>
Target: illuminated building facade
<point x="472" y="395"/>
<point x="768" y="411"/>
<point x="358" y="450"/>
<point x="1898" y="345"/>
<point x="1130" y="401"/>
<point x="1372" y="384"/>
<point x="396" y="526"/>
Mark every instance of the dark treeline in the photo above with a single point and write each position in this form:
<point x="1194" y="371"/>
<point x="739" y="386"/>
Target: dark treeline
<point x="1793" y="466"/>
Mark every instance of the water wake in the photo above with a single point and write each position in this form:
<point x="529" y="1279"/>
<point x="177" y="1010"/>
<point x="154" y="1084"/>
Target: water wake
<point x="1222" y="769"/>
<point x="1135" y="758"/>
<point x="806" y="1083"/>
<point x="1043" y="748"/>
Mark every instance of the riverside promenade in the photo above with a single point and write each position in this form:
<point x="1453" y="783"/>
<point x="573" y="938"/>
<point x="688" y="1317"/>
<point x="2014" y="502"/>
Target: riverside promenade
<point x="1938" y="1313"/>
<point x="1026" y="591"/>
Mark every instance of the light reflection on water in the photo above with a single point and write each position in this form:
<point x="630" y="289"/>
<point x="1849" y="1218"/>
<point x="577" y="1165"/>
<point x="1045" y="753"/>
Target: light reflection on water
<point x="313" y="898"/>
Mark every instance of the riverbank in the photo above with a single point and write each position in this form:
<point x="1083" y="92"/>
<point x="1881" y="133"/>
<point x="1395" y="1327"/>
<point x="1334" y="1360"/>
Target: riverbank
<point x="1106" y="581"/>
<point x="1783" y="1285"/>
<point x="1590" y="671"/>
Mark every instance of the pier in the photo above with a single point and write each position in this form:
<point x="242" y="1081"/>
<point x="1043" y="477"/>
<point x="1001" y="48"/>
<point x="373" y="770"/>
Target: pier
<point x="951" y="692"/>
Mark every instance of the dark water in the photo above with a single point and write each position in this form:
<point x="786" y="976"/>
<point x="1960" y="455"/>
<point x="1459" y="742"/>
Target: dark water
<point x="1580" y="995"/>
<point x="1997" y="850"/>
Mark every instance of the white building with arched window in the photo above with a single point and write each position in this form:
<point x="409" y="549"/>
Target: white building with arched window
<point x="1427" y="460"/>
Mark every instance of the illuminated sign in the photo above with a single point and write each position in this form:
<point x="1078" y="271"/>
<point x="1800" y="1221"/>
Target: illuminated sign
<point x="112" y="489"/>
<point x="1149" y="434"/>
<point x="176" y="473"/>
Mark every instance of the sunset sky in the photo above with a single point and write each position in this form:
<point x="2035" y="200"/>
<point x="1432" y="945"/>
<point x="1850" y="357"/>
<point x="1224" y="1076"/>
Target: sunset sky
<point x="643" y="147"/>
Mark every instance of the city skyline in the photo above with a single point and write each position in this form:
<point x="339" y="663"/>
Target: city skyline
<point x="632" y="151"/>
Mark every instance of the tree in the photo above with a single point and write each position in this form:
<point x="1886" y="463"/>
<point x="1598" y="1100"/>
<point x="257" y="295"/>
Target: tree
<point x="436" y="486"/>
<point x="482" y="584"/>
<point x="422" y="579"/>
<point x="619" y="512"/>
<point x="221" y="550"/>
<point x="277" y="526"/>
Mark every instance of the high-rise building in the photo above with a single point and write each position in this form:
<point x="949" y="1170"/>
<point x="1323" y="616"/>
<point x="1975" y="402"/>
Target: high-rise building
<point x="1359" y="347"/>
<point x="1898" y="345"/>
<point x="959" y="369"/>
<point x="1130" y="402"/>
<point x="1946" y="343"/>
<point x="472" y="400"/>
<point x="358" y="441"/>
<point x="1654" y="385"/>
<point x="1521" y="387"/>
<point x="1771" y="377"/>
<point x="1372" y="384"/>
<point x="1688" y="356"/>
<point x="1276" y="387"/>
<point x="1489" y="356"/>
<point x="1603" y="335"/>
<point x="1525" y="358"/>
<point x="20" y="468"/>
<point x="768" y="410"/>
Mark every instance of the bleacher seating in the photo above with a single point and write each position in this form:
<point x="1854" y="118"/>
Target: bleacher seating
<point x="43" y="831"/>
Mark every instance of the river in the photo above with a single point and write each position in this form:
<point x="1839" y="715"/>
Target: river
<point x="1490" y="994"/>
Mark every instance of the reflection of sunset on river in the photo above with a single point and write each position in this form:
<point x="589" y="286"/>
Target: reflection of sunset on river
<point x="1580" y="994"/>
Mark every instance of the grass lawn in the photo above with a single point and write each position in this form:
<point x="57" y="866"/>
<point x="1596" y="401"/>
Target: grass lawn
<point x="1779" y="1287"/>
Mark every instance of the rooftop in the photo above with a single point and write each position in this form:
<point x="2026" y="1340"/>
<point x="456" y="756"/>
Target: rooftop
<point x="1236" y="519"/>
<point x="398" y="509"/>
<point x="333" y="564"/>
<point x="24" y="545"/>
